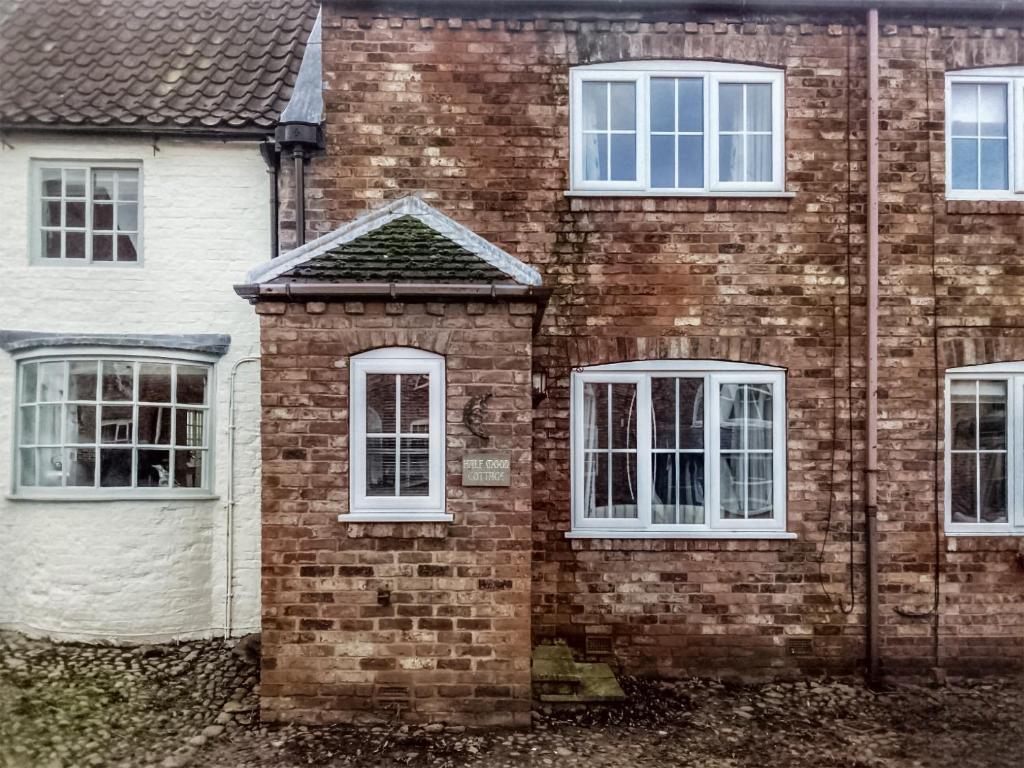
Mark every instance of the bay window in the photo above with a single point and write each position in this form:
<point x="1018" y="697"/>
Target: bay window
<point x="676" y="128"/>
<point x="664" y="448"/>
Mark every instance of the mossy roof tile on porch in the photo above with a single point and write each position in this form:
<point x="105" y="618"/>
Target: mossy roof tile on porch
<point x="403" y="250"/>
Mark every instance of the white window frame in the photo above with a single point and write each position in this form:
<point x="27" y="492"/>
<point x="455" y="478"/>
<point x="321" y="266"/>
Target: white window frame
<point x="713" y="374"/>
<point x="1013" y="375"/>
<point x="36" y="217"/>
<point x="96" y="493"/>
<point x="1013" y="79"/>
<point x="429" y="508"/>
<point x="713" y="74"/>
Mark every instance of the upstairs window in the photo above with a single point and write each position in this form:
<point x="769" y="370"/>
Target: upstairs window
<point x="668" y="448"/>
<point x="984" y="156"/>
<point x="984" y="449"/>
<point x="677" y="128"/>
<point x="86" y="213"/>
<point x="397" y="435"/>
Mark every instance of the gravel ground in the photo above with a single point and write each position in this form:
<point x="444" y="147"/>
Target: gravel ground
<point x="193" y="704"/>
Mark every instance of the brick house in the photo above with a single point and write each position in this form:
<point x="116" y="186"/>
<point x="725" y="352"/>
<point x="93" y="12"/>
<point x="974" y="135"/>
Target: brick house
<point x="749" y="390"/>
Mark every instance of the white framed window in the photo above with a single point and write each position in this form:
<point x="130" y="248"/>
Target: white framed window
<point x="677" y="127"/>
<point x="677" y="448"/>
<point x="106" y="425"/>
<point x="984" y="450"/>
<point x="396" y="442"/>
<point x="984" y="137"/>
<point x="86" y="213"/>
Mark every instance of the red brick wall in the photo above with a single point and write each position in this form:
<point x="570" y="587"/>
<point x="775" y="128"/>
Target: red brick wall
<point x="452" y="642"/>
<point x="472" y="113"/>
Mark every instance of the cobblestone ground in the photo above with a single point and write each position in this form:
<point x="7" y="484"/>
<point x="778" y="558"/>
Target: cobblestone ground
<point x="193" y="704"/>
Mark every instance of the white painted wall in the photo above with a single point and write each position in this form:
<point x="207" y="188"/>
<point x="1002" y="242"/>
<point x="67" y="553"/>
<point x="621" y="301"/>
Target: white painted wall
<point x="139" y="570"/>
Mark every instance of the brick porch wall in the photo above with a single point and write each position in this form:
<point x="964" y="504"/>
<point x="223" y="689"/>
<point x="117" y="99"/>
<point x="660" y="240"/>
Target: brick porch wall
<point x="452" y="643"/>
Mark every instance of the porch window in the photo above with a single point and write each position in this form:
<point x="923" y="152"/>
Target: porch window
<point x="663" y="448"/>
<point x="99" y="426"/>
<point x="984" y="447"/>
<point x="677" y="127"/>
<point x="86" y="213"/>
<point x="397" y="435"/>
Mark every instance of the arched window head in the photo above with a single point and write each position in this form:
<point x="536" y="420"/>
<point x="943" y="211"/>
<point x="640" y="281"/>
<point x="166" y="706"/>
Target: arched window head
<point x="396" y="441"/>
<point x="665" y="448"/>
<point x="677" y="127"/>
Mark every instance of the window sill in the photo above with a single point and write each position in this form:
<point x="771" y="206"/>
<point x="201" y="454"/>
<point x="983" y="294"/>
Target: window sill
<point x="675" y="193"/>
<point x="397" y="517"/>
<point x="766" y="535"/>
<point x="999" y="532"/>
<point x="107" y="497"/>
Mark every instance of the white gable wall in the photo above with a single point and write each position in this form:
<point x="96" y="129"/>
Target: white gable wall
<point x="139" y="570"/>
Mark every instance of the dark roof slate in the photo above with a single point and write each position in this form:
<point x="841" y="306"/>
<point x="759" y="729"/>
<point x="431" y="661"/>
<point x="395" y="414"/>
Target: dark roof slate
<point x="184" y="65"/>
<point x="404" y="250"/>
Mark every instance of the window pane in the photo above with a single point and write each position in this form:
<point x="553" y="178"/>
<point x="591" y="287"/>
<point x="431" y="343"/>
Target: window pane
<point x="153" y="469"/>
<point x="965" y="163"/>
<point x="117" y="380"/>
<point x="74" y="214"/>
<point x="380" y="466"/>
<point x="74" y="183"/>
<point x="691" y="161"/>
<point x="992" y="415"/>
<point x="691" y="105"/>
<point x="730" y="157"/>
<point x="962" y="415"/>
<point x="190" y="427"/>
<point x="663" y="405"/>
<point x="128" y="185"/>
<point x="414" y="474"/>
<point x="103" y="185"/>
<point x="759" y="416"/>
<point x="992" y="110"/>
<point x="733" y="480"/>
<point x="995" y="164"/>
<point x="29" y="382"/>
<point x="154" y="383"/>
<point x="416" y="402"/>
<point x="624" y="484"/>
<point x="963" y="487"/>
<point x="964" y="120"/>
<point x="691" y="413"/>
<point x="127" y="217"/>
<point x="51" y="382"/>
<point x="623" y="160"/>
<point x="81" y="467"/>
<point x="623" y="416"/>
<point x="51" y="245"/>
<point x="127" y="247"/>
<point x="595" y="157"/>
<point x="51" y="213"/>
<point x="595" y="416"/>
<point x="759" y="107"/>
<point x="27" y="425"/>
<point x="623" y="106"/>
<point x="103" y="216"/>
<point x="595" y="106"/>
<point x="116" y="425"/>
<point x="51" y="179"/>
<point x="663" y="105"/>
<point x="188" y="469"/>
<point x="50" y="467"/>
<point x="27" y="474"/>
<point x="155" y="424"/>
<point x="381" y="399"/>
<point x="664" y="488"/>
<point x="191" y="384"/>
<point x="993" y="487"/>
<point x="595" y="485"/>
<point x="691" y="488"/>
<point x="759" y="158"/>
<point x="663" y="161"/>
<point x="49" y="425"/>
<point x="82" y="379"/>
<point x="102" y="248"/>
<point x="81" y="424"/>
<point x="730" y="107"/>
<point x="74" y="245"/>
<point x="730" y="402"/>
<point x="686" y="486"/>
<point x="115" y="468"/>
<point x="759" y="486"/>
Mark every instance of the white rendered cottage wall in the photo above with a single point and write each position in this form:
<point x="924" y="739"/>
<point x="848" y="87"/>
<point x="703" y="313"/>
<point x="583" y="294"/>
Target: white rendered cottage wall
<point x="139" y="570"/>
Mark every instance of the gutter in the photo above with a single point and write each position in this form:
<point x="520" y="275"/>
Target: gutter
<point x="392" y="291"/>
<point x="169" y="131"/>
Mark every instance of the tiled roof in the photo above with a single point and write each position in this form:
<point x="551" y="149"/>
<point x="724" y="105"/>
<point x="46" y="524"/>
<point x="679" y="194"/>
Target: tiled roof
<point x="404" y="250"/>
<point x="179" y="65"/>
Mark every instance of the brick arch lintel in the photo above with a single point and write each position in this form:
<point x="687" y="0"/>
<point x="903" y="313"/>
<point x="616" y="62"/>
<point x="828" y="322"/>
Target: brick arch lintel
<point x="583" y="351"/>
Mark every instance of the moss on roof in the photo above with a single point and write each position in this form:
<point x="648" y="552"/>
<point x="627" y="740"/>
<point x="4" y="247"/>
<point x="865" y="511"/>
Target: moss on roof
<point x="405" y="250"/>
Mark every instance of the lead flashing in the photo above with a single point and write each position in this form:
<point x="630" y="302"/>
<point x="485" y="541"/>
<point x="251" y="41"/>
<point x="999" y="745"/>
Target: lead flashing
<point x="26" y="341"/>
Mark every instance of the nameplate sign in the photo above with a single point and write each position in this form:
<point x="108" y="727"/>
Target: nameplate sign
<point x="490" y="468"/>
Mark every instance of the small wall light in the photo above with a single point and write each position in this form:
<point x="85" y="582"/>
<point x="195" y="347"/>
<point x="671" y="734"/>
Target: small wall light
<point x="540" y="387"/>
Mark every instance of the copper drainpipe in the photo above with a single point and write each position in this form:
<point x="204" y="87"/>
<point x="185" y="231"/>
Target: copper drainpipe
<point x="871" y="428"/>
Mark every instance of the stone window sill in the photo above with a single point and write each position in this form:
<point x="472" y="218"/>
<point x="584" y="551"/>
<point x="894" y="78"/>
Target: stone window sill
<point x="108" y="497"/>
<point x="674" y="193"/>
<point x="714" y="535"/>
<point x="397" y="517"/>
